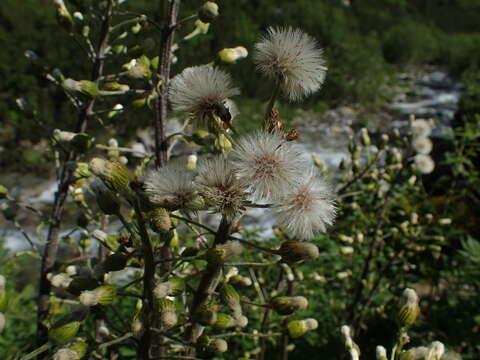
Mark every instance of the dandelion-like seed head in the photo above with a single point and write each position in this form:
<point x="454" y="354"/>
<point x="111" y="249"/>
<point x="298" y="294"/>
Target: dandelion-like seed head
<point x="307" y="209"/>
<point x="218" y="184"/>
<point x="293" y="58"/>
<point x="422" y="145"/>
<point x="268" y="163"/>
<point x="201" y="91"/>
<point x="421" y="128"/>
<point x="424" y="163"/>
<point x="171" y="187"/>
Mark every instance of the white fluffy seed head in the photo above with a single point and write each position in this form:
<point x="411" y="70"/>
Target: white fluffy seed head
<point x="218" y="184"/>
<point x="200" y="89"/>
<point x="422" y="145"/>
<point x="421" y="128"/>
<point x="424" y="163"/>
<point x="269" y="164"/>
<point x="307" y="209"/>
<point x="293" y="58"/>
<point x="171" y="186"/>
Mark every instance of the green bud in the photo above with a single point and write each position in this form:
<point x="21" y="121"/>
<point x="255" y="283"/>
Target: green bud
<point x="409" y="308"/>
<point x="226" y="321"/>
<point x="293" y="251"/>
<point x="231" y="299"/>
<point x="365" y="138"/>
<point x="208" y="12"/>
<point x="231" y="55"/>
<point x="223" y="252"/>
<point x="113" y="174"/>
<point x="80" y="346"/>
<point x="64" y="18"/>
<point x="102" y="295"/>
<point x="160" y="221"/>
<point x="285" y="305"/>
<point x="115" y="86"/>
<point x="207" y="315"/>
<point x="64" y="333"/>
<point x="298" y="328"/>
<point x="3" y="192"/>
<point x="167" y="309"/>
<point x="89" y="88"/>
<point x="223" y="145"/>
<point x="208" y="347"/>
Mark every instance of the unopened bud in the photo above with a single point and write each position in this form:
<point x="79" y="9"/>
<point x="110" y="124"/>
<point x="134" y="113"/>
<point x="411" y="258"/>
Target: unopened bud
<point x="231" y="299"/>
<point x="80" y="346"/>
<point x="223" y="252"/>
<point x="381" y="353"/>
<point x="64" y="333"/>
<point x="445" y="221"/>
<point x="285" y="305"/>
<point x="298" y="328"/>
<point x="65" y="354"/>
<point x="102" y="295"/>
<point x="113" y="174"/>
<point x="409" y="308"/>
<point x="160" y="221"/>
<point x="206" y="315"/>
<point x="3" y="192"/>
<point x="231" y="55"/>
<point x="208" y="12"/>
<point x="168" y="315"/>
<point x="365" y="138"/>
<point x="293" y="251"/>
<point x="208" y="347"/>
<point x="226" y="321"/>
<point x="436" y="351"/>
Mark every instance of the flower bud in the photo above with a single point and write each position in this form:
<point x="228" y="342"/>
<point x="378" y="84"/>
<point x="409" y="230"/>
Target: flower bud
<point x="223" y="252"/>
<point x="80" y="346"/>
<point x="285" y="305"/>
<point x="435" y="351"/>
<point x="445" y="221"/>
<point x="207" y="315"/>
<point x="346" y="250"/>
<point x="208" y="347"/>
<point x="3" y="192"/>
<point x="293" y="251"/>
<point x="113" y="174"/>
<point x="64" y="333"/>
<point x="208" y="12"/>
<point x="102" y="295"/>
<point x="64" y="18"/>
<point x="160" y="221"/>
<point x="174" y="286"/>
<point x="298" y="328"/>
<point x="222" y="144"/>
<point x="136" y="326"/>
<point x="231" y="299"/>
<point x="381" y="353"/>
<point x="65" y="354"/>
<point x="231" y="55"/>
<point x="107" y="200"/>
<point x="364" y="137"/>
<point x="192" y="162"/>
<point x="60" y="281"/>
<point x="240" y="281"/>
<point x="409" y="309"/>
<point x="167" y="309"/>
<point x="225" y="321"/>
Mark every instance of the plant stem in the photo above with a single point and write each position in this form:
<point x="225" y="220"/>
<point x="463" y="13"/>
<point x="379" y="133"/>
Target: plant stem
<point x="163" y="72"/>
<point x="145" y="344"/>
<point x="65" y="179"/>
<point x="271" y="103"/>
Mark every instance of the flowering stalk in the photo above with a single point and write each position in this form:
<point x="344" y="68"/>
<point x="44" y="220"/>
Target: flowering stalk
<point x="65" y="179"/>
<point x="271" y="104"/>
